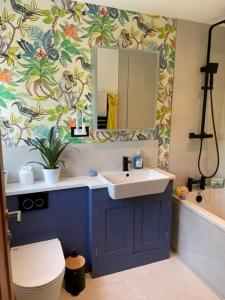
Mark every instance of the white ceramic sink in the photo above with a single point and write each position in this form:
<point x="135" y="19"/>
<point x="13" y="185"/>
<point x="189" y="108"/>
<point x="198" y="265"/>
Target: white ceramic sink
<point x="135" y="182"/>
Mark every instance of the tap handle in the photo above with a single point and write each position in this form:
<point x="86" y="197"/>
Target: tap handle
<point x="126" y="159"/>
<point x="202" y="182"/>
<point x="189" y="184"/>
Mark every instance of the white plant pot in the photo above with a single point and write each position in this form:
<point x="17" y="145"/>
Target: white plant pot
<point x="51" y="175"/>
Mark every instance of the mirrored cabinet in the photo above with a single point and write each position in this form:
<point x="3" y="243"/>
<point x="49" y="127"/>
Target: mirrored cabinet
<point x="125" y="88"/>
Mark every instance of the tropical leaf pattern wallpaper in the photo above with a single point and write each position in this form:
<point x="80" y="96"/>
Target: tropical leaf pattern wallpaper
<point x="45" y="67"/>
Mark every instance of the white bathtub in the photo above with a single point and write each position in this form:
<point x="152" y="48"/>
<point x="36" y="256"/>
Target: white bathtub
<point x="198" y="235"/>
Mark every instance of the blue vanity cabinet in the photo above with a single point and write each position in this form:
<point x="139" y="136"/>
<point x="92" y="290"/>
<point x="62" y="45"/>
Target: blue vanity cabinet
<point x="112" y="226"/>
<point x="115" y="224"/>
<point x="152" y="215"/>
<point x="129" y="232"/>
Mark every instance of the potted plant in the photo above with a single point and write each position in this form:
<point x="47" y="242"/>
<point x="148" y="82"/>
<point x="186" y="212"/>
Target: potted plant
<point x="51" y="149"/>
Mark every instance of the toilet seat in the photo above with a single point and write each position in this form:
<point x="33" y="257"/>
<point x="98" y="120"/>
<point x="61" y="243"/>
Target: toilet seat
<point x="38" y="265"/>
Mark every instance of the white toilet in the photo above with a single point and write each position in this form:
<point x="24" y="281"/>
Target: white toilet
<point x="38" y="270"/>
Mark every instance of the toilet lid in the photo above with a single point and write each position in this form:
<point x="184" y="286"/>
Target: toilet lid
<point x="37" y="264"/>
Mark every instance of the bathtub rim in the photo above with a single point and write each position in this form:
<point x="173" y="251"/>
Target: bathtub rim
<point x="202" y="212"/>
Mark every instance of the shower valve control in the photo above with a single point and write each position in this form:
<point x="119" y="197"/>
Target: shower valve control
<point x="193" y="135"/>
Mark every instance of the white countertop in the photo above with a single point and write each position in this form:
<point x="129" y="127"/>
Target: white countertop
<point x="96" y="182"/>
<point x="13" y="189"/>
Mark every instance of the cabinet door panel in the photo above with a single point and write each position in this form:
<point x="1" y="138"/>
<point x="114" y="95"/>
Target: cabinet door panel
<point x="151" y="223"/>
<point x="114" y="229"/>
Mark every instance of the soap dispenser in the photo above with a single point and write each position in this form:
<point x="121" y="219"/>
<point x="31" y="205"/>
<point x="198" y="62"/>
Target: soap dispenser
<point x="138" y="160"/>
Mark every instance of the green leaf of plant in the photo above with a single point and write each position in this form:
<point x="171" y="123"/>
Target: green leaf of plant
<point x="50" y="149"/>
<point x="52" y="118"/>
<point x="56" y="38"/>
<point x="65" y="43"/>
<point x="54" y="10"/>
<point x="95" y="28"/>
<point x="48" y="20"/>
<point x="51" y="136"/>
<point x="58" y="109"/>
<point x="62" y="13"/>
<point x="37" y="162"/>
<point x="6" y="94"/>
<point x="66" y="56"/>
<point x="66" y="110"/>
<point x="45" y="12"/>
<point x="72" y="50"/>
<point x="2" y="103"/>
<point x="124" y="15"/>
<point x="161" y="36"/>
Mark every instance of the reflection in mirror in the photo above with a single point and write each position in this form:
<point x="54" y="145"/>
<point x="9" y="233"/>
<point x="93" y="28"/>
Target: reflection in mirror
<point x="125" y="88"/>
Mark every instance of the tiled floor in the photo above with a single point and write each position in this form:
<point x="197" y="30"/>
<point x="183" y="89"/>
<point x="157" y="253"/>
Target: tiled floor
<point x="165" y="280"/>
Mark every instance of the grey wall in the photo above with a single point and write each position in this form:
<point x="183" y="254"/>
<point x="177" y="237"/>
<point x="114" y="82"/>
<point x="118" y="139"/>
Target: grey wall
<point x="100" y="157"/>
<point x="186" y="112"/>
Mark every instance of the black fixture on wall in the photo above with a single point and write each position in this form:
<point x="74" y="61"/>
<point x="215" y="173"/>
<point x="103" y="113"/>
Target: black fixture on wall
<point x="209" y="69"/>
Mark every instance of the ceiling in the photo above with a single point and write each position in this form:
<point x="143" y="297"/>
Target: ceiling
<point x="204" y="11"/>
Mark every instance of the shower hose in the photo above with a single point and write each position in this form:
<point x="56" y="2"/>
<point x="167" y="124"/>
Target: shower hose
<point x="216" y="143"/>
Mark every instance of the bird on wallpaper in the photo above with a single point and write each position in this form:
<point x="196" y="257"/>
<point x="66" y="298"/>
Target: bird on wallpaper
<point x="93" y="9"/>
<point x="29" y="49"/>
<point x="5" y="123"/>
<point x="66" y="91"/>
<point x="88" y="97"/>
<point x="3" y="43"/>
<point x="141" y="137"/>
<point x="143" y="27"/>
<point x="27" y="112"/>
<point x="124" y="40"/>
<point x="162" y="60"/>
<point x="86" y="66"/>
<point x="169" y="92"/>
<point x="51" y="52"/>
<point x="65" y="4"/>
<point x="61" y="4"/>
<point x="164" y="161"/>
<point x="113" y="12"/>
<point x="6" y="129"/>
<point x="22" y="10"/>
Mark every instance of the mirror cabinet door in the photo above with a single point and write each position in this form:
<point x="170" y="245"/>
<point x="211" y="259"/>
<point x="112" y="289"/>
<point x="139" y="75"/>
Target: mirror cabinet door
<point x="125" y="88"/>
<point x="142" y="82"/>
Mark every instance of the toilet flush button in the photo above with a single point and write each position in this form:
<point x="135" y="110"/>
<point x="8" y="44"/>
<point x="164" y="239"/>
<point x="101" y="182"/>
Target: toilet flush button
<point x="28" y="203"/>
<point x="39" y="202"/>
<point x="34" y="201"/>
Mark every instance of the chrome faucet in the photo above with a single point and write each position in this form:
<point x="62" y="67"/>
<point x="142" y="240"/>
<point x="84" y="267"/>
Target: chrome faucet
<point x="126" y="161"/>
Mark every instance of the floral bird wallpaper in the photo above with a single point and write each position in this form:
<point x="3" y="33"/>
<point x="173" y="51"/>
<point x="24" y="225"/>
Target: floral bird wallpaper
<point x="45" y="67"/>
